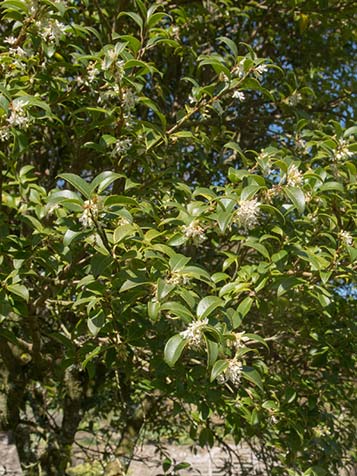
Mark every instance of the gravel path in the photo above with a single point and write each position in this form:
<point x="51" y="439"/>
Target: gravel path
<point x="214" y="462"/>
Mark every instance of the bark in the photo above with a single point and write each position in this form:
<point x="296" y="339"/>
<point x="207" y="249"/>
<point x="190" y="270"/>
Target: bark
<point x="56" y="458"/>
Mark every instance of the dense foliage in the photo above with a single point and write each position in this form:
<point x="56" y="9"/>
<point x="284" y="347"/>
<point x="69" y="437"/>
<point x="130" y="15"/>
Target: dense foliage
<point x="178" y="212"/>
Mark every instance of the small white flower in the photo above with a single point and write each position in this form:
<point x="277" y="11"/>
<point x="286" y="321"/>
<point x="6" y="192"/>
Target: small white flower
<point x="11" y="40"/>
<point x="239" y="339"/>
<point x="260" y="70"/>
<point x="294" y="99"/>
<point x="178" y="279"/>
<point x="51" y="30"/>
<point x="345" y="237"/>
<point x="18" y="116"/>
<point x="233" y="373"/>
<point x="32" y="7"/>
<point x="4" y="134"/>
<point x="86" y="218"/>
<point x="273" y="420"/>
<point x="321" y="431"/>
<point x="342" y="150"/>
<point x="194" y="332"/>
<point x="79" y="80"/>
<point x="91" y="212"/>
<point x="175" y="31"/>
<point x="238" y="95"/>
<point x="121" y="146"/>
<point x="238" y="70"/>
<point x="300" y="144"/>
<point x="194" y="230"/>
<point x="52" y="209"/>
<point x="123" y="221"/>
<point x="223" y="77"/>
<point x="294" y="177"/>
<point x="92" y="71"/>
<point x="110" y="58"/>
<point x="129" y="99"/>
<point x="18" y="51"/>
<point x="248" y="213"/>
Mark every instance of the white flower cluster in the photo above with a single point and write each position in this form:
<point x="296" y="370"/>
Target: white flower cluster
<point x="238" y="70"/>
<point x="178" y="279"/>
<point x="51" y="209"/>
<point x="32" y="7"/>
<point x="11" y="40"/>
<point x="260" y="70"/>
<point x="233" y="373"/>
<point x="294" y="176"/>
<point x="91" y="212"/>
<point x="345" y="237"/>
<point x="121" y="146"/>
<point x="51" y="30"/>
<point x="92" y="71"/>
<point x="4" y="134"/>
<point x="111" y="59"/>
<point x="123" y="221"/>
<point x="194" y="230"/>
<point x="238" y="95"/>
<point x="247" y="214"/>
<point x="321" y="431"/>
<point x="342" y="150"/>
<point x="239" y="339"/>
<point x="18" y="51"/>
<point x="194" y="332"/>
<point x="294" y="98"/>
<point x="129" y="99"/>
<point x="18" y="116"/>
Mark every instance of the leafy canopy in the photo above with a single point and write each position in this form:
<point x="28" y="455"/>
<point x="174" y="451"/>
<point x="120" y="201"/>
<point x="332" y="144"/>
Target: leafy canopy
<point x="178" y="185"/>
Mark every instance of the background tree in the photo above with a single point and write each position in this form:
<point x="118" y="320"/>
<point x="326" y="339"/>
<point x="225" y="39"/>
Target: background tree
<point x="177" y="218"/>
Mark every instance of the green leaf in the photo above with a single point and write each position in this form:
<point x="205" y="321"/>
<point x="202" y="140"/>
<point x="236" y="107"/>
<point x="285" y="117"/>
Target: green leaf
<point x="19" y="290"/>
<point x="123" y="231"/>
<point x="78" y="183"/>
<point x="103" y="180"/>
<point x="212" y="351"/>
<point x="63" y="195"/>
<point x="244" y="306"/>
<point x="163" y="288"/>
<point x="287" y="283"/>
<point x="206" y="437"/>
<point x="153" y="310"/>
<point x="211" y="333"/>
<point x="297" y="197"/>
<point x="197" y="273"/>
<point x="119" y="200"/>
<point x="173" y="349"/>
<point x="178" y="262"/>
<point x="219" y="367"/>
<point x="231" y="45"/>
<point x="330" y="186"/>
<point x="253" y="376"/>
<point x="350" y="131"/>
<point x="96" y="322"/>
<point x="207" y="305"/>
<point x="178" y="309"/>
<point x="249" y="191"/>
<point x="134" y="16"/>
<point x="251" y="243"/>
<point x="71" y="235"/>
<point x="257" y="338"/>
<point x="91" y="355"/>
<point x="234" y="317"/>
<point x="133" y="283"/>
